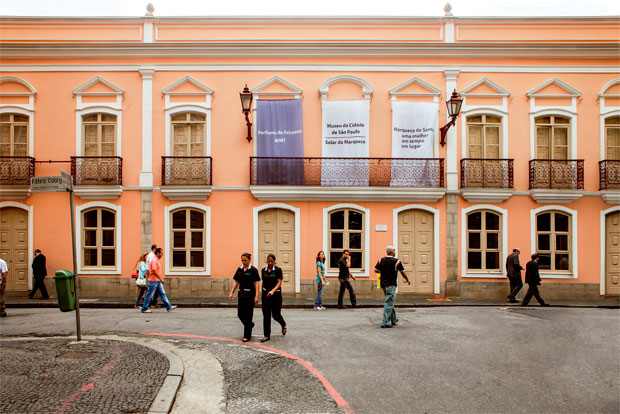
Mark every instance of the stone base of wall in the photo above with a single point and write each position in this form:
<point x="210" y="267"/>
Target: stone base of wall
<point x="198" y="287"/>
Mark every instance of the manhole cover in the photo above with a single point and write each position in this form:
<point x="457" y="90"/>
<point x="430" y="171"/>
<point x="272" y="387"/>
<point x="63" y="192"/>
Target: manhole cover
<point x="76" y="355"/>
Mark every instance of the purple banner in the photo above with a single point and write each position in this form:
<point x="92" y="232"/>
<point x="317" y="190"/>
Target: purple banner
<point x="279" y="134"/>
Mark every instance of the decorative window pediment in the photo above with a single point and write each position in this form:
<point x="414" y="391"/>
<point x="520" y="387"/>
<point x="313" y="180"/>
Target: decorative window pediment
<point x="485" y="88"/>
<point x="16" y="92"/>
<point x="554" y="88"/>
<point x="367" y="90"/>
<point x="277" y="86"/>
<point x="415" y="87"/>
<point x="98" y="92"/>
<point x="187" y="90"/>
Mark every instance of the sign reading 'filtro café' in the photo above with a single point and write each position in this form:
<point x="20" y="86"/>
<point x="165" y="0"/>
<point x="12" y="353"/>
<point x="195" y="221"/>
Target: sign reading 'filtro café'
<point x="51" y="184"/>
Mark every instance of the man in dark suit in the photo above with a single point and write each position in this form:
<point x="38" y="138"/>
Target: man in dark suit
<point x="532" y="278"/>
<point x="513" y="272"/>
<point x="39" y="271"/>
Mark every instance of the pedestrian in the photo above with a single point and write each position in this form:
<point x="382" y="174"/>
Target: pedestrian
<point x="156" y="283"/>
<point x="532" y="278"/>
<point x="388" y="267"/>
<point x="320" y="281"/>
<point x="4" y="272"/>
<point x="272" y="297"/>
<point x="343" y="277"/>
<point x="39" y="271"/>
<point x="150" y="257"/>
<point x="513" y="272"/>
<point x="143" y="273"/>
<point x="246" y="278"/>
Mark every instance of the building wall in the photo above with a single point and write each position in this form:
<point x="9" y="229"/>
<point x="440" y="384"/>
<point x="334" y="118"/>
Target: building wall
<point x="56" y="56"/>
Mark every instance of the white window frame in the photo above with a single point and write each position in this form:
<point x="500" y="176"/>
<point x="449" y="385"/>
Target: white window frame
<point x="485" y="111"/>
<point x="22" y="109"/>
<point x="544" y="274"/>
<point x="436" y="218"/>
<point x="366" y="211"/>
<point x="504" y="243"/>
<point x="604" y="117"/>
<point x="118" y="236"/>
<point x="168" y="239"/>
<point x="96" y="109"/>
<point x="296" y="211"/>
<point x="604" y="214"/>
<point x="572" y="153"/>
<point x="169" y="113"/>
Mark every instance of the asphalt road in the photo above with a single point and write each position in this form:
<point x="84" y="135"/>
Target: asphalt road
<point x="437" y="360"/>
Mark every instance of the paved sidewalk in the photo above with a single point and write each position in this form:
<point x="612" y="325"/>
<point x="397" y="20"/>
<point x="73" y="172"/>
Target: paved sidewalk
<point x="289" y="302"/>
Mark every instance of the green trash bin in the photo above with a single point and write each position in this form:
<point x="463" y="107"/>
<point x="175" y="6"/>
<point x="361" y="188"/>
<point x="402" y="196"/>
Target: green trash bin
<point x="65" y="290"/>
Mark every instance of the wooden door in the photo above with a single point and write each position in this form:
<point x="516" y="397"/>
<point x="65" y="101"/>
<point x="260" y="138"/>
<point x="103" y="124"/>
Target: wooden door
<point x="415" y="250"/>
<point x="14" y="247"/>
<point x="276" y="234"/>
<point x="612" y="254"/>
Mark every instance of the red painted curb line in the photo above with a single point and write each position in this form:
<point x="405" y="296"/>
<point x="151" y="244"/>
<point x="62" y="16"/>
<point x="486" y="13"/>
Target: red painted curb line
<point x="329" y="387"/>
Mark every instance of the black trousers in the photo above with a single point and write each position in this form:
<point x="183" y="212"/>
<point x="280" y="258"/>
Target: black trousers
<point x="515" y="286"/>
<point x="346" y="284"/>
<point x="532" y="291"/>
<point x="272" y="306"/>
<point x="245" y="313"/>
<point x="40" y="285"/>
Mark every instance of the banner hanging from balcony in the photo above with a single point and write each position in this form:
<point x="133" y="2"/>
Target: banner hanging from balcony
<point x="414" y="129"/>
<point x="279" y="138"/>
<point x="345" y="135"/>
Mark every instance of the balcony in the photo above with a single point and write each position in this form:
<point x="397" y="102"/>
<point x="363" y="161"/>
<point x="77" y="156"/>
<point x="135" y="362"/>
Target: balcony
<point x="486" y="179"/>
<point x="609" y="175"/>
<point x="556" y="181"/>
<point x="359" y="179"/>
<point x="97" y="177"/>
<point x="15" y="175"/>
<point x="186" y="178"/>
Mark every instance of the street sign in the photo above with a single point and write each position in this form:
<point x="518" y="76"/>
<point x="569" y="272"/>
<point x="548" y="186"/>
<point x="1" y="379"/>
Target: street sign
<point x="51" y="184"/>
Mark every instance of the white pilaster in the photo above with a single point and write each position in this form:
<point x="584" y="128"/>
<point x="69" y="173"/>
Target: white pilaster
<point x="146" y="175"/>
<point x="452" y="174"/>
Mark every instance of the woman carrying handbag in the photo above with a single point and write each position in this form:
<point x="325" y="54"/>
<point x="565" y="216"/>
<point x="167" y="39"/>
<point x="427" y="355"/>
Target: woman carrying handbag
<point x="141" y="280"/>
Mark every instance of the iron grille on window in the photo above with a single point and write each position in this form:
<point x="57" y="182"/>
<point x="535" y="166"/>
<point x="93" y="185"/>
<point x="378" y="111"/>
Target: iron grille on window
<point x="556" y="174"/>
<point x="486" y="173"/>
<point x="97" y="170"/>
<point x="186" y="170"/>
<point x="16" y="170"/>
<point x="609" y="174"/>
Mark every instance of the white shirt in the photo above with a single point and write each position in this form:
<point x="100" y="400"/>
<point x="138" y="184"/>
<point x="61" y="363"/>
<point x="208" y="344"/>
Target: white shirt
<point x="3" y="267"/>
<point x="149" y="257"/>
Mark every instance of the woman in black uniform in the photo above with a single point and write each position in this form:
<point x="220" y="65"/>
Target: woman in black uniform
<point x="272" y="296"/>
<point x="246" y="278"/>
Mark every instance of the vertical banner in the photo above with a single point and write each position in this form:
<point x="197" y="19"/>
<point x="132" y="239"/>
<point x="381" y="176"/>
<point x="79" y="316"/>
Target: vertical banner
<point x="414" y="130"/>
<point x="279" y="127"/>
<point x="345" y="135"/>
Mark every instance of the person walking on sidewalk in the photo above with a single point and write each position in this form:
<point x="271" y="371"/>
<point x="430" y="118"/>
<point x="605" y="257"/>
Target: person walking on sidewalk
<point x="246" y="278"/>
<point x="150" y="257"/>
<point x="143" y="273"/>
<point x="513" y="272"/>
<point x="4" y="272"/>
<point x="532" y="278"/>
<point x="156" y="283"/>
<point x="320" y="281"/>
<point x="39" y="271"/>
<point x="343" y="277"/>
<point x="388" y="267"/>
<point x="272" y="297"/>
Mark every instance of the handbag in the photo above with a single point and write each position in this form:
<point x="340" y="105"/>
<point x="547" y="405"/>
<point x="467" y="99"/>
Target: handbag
<point x="134" y="275"/>
<point x="141" y="282"/>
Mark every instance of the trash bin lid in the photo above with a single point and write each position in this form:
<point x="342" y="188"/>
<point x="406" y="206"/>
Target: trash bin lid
<point x="63" y="274"/>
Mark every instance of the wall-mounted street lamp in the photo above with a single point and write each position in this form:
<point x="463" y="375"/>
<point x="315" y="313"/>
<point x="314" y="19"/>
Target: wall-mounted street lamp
<point x="246" y="107"/>
<point x="454" y="109"/>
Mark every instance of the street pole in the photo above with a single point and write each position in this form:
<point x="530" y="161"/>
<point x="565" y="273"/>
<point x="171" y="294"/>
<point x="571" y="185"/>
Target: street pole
<point x="75" y="275"/>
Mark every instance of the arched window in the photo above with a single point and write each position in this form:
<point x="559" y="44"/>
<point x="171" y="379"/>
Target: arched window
<point x="612" y="138"/>
<point x="484" y="235"/>
<point x="99" y="135"/>
<point x="346" y="232"/>
<point x="188" y="241"/>
<point x="99" y="238"/>
<point x="188" y="134"/>
<point x="552" y="137"/>
<point x="484" y="136"/>
<point x="553" y="241"/>
<point x="14" y="135"/>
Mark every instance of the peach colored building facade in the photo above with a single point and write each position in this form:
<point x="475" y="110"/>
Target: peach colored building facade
<point x="145" y="113"/>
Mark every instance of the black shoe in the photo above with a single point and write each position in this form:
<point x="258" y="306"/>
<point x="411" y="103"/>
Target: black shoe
<point x="524" y="304"/>
<point x="355" y="305"/>
<point x="3" y="315"/>
<point x="386" y="326"/>
<point x="544" y="304"/>
<point x="513" y="301"/>
<point x="265" y="339"/>
<point x="340" y="307"/>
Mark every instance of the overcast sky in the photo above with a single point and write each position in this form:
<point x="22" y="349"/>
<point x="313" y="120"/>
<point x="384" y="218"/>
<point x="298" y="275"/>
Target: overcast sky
<point x="133" y="8"/>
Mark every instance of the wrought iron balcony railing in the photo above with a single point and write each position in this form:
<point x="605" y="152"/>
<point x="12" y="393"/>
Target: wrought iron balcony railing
<point x="556" y="174"/>
<point x="186" y="170"/>
<point x="362" y="172"/>
<point x="97" y="170"/>
<point x="609" y="174"/>
<point x="487" y="173"/>
<point x="16" y="170"/>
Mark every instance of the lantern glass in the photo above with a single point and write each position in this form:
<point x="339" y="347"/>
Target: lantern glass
<point x="246" y="99"/>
